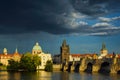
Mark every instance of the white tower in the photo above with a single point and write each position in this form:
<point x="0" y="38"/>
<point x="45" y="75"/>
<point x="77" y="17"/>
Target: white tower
<point x="16" y="50"/>
<point x="5" y="51"/>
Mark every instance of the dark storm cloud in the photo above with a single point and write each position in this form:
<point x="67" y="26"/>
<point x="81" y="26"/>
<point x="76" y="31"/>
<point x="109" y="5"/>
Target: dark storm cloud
<point x="95" y="7"/>
<point x="24" y="16"/>
<point x="20" y="16"/>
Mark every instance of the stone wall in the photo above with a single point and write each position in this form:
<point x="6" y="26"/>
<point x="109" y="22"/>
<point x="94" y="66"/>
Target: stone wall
<point x="57" y="67"/>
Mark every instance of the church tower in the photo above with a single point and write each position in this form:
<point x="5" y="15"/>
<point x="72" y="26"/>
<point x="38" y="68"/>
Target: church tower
<point x="65" y="51"/>
<point x="5" y="51"/>
<point x="103" y="51"/>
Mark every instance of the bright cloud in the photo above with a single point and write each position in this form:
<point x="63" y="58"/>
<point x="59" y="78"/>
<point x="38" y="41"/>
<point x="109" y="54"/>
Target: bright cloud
<point x="76" y="24"/>
<point x="97" y="34"/>
<point x="77" y="15"/>
<point x="101" y="24"/>
<point x="104" y="19"/>
<point x="116" y="18"/>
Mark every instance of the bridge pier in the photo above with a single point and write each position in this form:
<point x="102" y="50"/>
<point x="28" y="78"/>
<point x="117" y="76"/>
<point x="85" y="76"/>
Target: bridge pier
<point x="96" y="68"/>
<point x="82" y="68"/>
<point x="72" y="68"/>
<point x="83" y="65"/>
<point x="64" y="68"/>
<point x="114" y="68"/>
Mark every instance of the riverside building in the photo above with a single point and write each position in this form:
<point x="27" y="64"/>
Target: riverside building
<point x="5" y="56"/>
<point x="44" y="56"/>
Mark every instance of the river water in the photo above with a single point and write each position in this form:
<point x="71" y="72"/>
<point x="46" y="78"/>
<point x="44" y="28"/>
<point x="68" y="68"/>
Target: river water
<point x="42" y="75"/>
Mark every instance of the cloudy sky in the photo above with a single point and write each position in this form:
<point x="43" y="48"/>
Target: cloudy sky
<point x="85" y="24"/>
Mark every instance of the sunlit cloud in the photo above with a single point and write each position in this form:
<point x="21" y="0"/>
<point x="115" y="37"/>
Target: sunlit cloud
<point x="104" y="19"/>
<point x="101" y="24"/>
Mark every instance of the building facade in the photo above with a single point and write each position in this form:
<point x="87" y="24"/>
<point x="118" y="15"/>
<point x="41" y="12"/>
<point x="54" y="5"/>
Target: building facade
<point x="74" y="57"/>
<point x="43" y="56"/>
<point x="4" y="57"/>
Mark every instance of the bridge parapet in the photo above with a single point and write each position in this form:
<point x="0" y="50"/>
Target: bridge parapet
<point x="97" y="65"/>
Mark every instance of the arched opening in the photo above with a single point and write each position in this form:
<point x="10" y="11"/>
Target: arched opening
<point x="89" y="68"/>
<point x="69" y="66"/>
<point x="118" y="72"/>
<point x="63" y="64"/>
<point x="77" y="67"/>
<point x="105" y="67"/>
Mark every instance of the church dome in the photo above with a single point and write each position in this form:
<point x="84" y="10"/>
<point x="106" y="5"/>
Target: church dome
<point x="37" y="47"/>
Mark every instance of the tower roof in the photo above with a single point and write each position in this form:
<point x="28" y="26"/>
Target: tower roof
<point x="103" y="46"/>
<point x="37" y="47"/>
<point x="64" y="42"/>
<point x="5" y="50"/>
<point x="16" y="50"/>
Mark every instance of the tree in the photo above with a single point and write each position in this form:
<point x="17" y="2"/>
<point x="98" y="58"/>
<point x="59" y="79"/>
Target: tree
<point x="49" y="66"/>
<point x="29" y="62"/>
<point x="36" y="60"/>
<point x="13" y="65"/>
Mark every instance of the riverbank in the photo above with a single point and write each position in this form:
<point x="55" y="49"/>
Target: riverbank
<point x="3" y="68"/>
<point x="56" y="67"/>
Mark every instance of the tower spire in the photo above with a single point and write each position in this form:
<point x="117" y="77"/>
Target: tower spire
<point x="16" y="50"/>
<point x="64" y="42"/>
<point x="103" y="46"/>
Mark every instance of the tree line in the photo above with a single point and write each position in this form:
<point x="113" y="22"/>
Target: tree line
<point x="28" y="62"/>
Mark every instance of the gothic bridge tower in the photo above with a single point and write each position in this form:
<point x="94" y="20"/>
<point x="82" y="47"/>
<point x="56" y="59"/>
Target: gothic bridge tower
<point x="65" y="51"/>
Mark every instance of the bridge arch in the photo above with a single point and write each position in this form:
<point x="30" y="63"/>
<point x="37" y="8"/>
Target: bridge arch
<point x="105" y="67"/>
<point x="118" y="72"/>
<point x="77" y="66"/>
<point x="69" y="66"/>
<point x="89" y="67"/>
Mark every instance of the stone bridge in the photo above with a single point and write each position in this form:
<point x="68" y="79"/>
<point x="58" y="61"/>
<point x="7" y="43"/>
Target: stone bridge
<point x="109" y="65"/>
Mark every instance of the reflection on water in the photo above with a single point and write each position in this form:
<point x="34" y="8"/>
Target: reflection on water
<point x="42" y="75"/>
<point x="4" y="75"/>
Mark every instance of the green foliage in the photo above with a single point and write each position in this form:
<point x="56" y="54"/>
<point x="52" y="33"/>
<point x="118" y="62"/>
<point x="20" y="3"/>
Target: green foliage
<point x="49" y="66"/>
<point x="13" y="65"/>
<point x="1" y="64"/>
<point x="36" y="60"/>
<point x="29" y="62"/>
<point x="3" y="67"/>
<point x="26" y="62"/>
